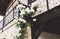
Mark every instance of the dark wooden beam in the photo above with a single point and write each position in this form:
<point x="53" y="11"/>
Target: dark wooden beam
<point x="48" y="21"/>
<point x="3" y="5"/>
<point x="2" y="1"/>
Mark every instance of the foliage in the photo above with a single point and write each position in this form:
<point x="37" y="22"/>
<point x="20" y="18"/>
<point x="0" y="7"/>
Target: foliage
<point x="23" y="20"/>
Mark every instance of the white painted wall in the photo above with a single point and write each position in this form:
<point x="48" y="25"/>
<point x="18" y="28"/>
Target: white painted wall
<point x="10" y="32"/>
<point x="1" y="17"/>
<point x="53" y="3"/>
<point x="45" y="35"/>
<point x="43" y="7"/>
<point x="24" y="2"/>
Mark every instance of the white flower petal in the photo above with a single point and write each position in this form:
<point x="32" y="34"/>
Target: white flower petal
<point x="19" y="34"/>
<point x="34" y="19"/>
<point x="18" y="22"/>
<point x="22" y="13"/>
<point x="19" y="29"/>
<point x="32" y="10"/>
<point x="24" y="21"/>
<point x="22" y="16"/>
<point x="27" y="27"/>
<point x="20" y="19"/>
<point x="27" y="9"/>
<point x="20" y="6"/>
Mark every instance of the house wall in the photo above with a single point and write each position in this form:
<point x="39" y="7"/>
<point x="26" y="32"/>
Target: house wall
<point x="9" y="31"/>
<point x="45" y="35"/>
<point x="43" y="5"/>
<point x="12" y="31"/>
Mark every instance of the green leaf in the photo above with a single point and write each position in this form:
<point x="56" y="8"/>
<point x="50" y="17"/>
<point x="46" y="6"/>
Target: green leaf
<point x="22" y="25"/>
<point x="35" y="8"/>
<point x="17" y="25"/>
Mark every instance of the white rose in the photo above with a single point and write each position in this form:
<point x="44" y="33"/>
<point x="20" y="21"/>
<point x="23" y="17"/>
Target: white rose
<point x="19" y="29"/>
<point x="27" y="27"/>
<point x="20" y="19"/>
<point x="24" y="21"/>
<point x="34" y="19"/>
<point x="18" y="22"/>
<point x="27" y="9"/>
<point x="32" y="10"/>
<point x="22" y="12"/>
<point x="21" y="6"/>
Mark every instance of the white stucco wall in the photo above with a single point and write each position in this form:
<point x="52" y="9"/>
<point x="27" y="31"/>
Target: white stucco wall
<point x="10" y="32"/>
<point x="45" y="35"/>
<point x="24" y="2"/>
<point x="43" y="7"/>
<point x="53" y="3"/>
